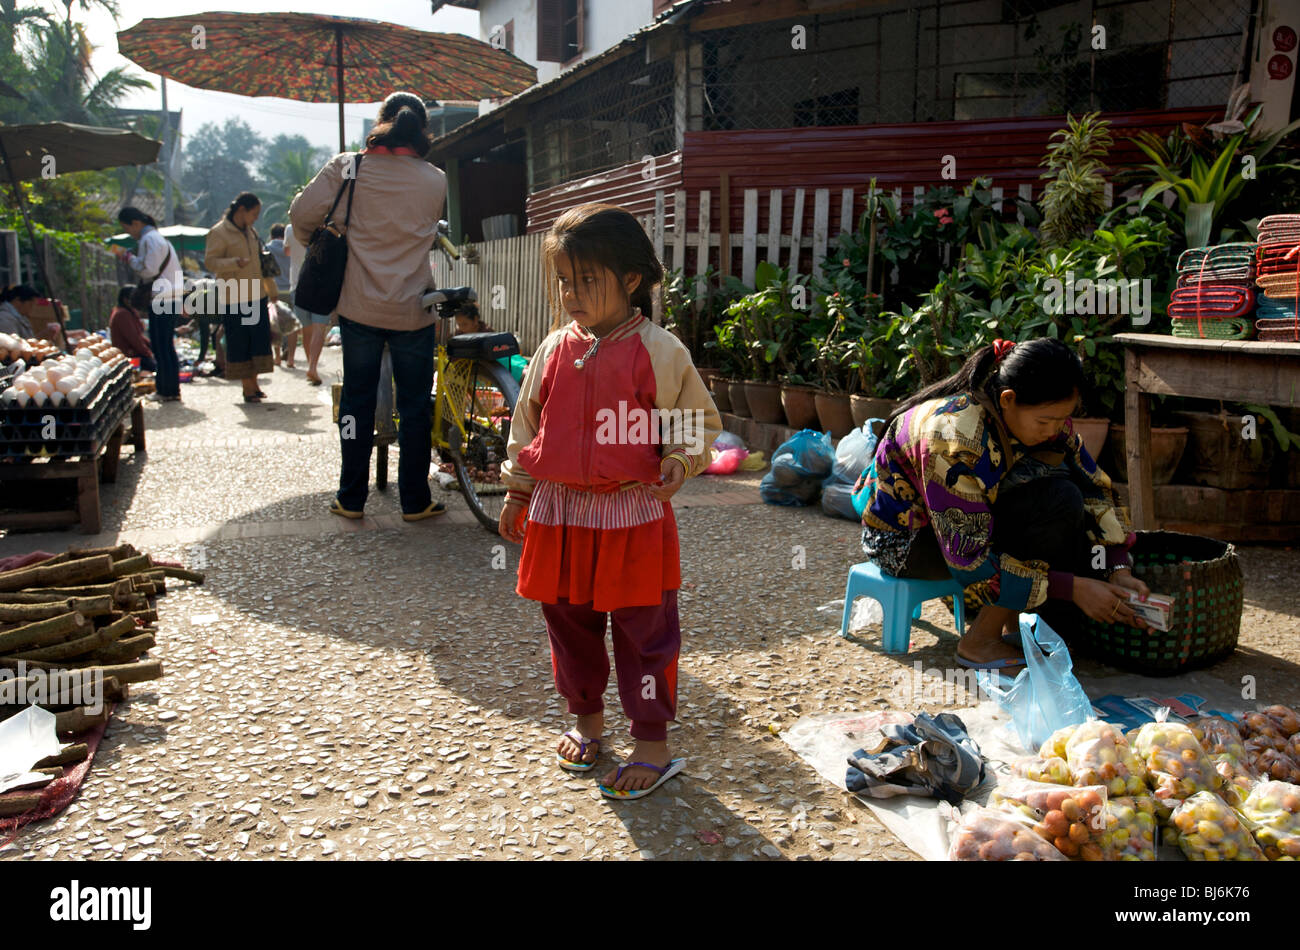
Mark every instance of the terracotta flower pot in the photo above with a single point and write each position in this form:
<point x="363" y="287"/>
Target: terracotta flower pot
<point x="869" y="407"/>
<point x="1219" y="457"/>
<point x="800" y="406"/>
<point x="1166" y="450"/>
<point x="739" y="404"/>
<point x="706" y="375"/>
<point x="834" y="413"/>
<point x="765" y="402"/>
<point x="1093" y="433"/>
<point x="721" y="393"/>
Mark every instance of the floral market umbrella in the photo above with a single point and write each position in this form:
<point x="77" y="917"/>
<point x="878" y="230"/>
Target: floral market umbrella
<point x="315" y="58"/>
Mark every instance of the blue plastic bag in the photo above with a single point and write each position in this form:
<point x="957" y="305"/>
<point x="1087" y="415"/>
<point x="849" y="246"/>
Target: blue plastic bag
<point x="799" y="466"/>
<point x="1045" y="695"/>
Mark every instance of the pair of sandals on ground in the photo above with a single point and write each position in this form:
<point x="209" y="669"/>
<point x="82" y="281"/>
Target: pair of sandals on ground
<point x="586" y="762"/>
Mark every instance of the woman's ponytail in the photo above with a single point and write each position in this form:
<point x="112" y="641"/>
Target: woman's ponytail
<point x="245" y="199"/>
<point x="973" y="375"/>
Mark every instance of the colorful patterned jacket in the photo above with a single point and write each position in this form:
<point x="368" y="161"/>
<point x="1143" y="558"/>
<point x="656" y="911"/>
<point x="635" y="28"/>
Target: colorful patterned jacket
<point x="941" y="463"/>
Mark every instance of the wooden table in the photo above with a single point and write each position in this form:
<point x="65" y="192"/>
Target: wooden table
<point x="1231" y="370"/>
<point x="86" y="469"/>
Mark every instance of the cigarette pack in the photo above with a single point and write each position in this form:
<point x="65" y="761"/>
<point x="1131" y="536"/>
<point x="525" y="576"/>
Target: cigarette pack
<point x="1156" y="610"/>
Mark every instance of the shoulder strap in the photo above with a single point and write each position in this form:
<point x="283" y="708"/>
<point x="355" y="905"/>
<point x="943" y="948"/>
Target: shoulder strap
<point x="348" y="186"/>
<point x="170" y="251"/>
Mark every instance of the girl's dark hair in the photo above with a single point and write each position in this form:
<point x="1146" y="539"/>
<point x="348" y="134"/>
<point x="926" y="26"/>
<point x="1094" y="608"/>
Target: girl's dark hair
<point x="124" y="296"/>
<point x="1037" y="371"/>
<point x="601" y="235"/>
<point x="131" y="213"/>
<point x="245" y="199"/>
<point x="403" y="122"/>
<point x="18" y="292"/>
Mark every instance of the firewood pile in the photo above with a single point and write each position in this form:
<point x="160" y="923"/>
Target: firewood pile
<point x="78" y="622"/>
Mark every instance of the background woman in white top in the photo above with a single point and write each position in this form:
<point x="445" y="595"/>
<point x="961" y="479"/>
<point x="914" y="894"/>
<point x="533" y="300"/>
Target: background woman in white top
<point x="157" y="261"/>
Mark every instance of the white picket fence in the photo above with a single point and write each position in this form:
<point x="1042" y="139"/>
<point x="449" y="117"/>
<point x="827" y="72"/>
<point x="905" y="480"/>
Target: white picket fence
<point x="508" y="272"/>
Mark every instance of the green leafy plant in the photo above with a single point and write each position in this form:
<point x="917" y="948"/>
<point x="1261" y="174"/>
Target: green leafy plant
<point x="693" y="305"/>
<point x="763" y="325"/>
<point x="1075" y="195"/>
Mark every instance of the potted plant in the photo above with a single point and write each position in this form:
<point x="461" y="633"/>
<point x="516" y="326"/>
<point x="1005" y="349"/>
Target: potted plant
<point x="834" y="411"/>
<point x="692" y="307"/>
<point x="765" y="320"/>
<point x="1168" y="442"/>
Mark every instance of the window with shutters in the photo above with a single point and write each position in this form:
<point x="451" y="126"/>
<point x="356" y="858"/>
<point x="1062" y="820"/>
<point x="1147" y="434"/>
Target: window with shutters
<point x="559" y="30"/>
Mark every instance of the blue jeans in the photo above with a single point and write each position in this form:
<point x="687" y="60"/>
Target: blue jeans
<point x="162" y="340"/>
<point x="412" y="354"/>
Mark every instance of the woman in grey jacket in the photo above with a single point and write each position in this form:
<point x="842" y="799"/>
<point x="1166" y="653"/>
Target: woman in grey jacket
<point x="398" y="200"/>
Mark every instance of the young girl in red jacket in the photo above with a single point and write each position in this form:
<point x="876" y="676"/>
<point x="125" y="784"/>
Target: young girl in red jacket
<point x="612" y="419"/>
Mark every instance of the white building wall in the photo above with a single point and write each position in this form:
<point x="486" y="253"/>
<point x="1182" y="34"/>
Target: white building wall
<point x="606" y="23"/>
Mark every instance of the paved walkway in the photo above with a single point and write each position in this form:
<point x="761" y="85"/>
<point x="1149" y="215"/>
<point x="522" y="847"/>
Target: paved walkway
<point x="377" y="690"/>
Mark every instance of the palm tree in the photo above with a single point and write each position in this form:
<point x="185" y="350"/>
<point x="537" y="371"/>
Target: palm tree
<point x="62" y="86"/>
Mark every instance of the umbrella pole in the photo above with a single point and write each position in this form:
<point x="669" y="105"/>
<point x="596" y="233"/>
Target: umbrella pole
<point x="338" y="56"/>
<point x="31" y="234"/>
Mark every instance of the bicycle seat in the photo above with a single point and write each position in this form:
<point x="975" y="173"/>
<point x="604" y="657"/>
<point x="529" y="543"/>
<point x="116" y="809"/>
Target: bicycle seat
<point x="458" y="295"/>
<point x="482" y="346"/>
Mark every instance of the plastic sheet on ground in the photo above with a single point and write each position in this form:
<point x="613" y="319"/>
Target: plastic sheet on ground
<point x="826" y="741"/>
<point x="25" y="739"/>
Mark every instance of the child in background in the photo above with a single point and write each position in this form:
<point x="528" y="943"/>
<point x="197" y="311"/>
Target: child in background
<point x="469" y="321"/>
<point x="590" y="504"/>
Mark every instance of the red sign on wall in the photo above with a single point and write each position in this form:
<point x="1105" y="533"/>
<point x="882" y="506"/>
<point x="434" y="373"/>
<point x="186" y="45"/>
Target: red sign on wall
<point x="1279" y="67"/>
<point x="1284" y="39"/>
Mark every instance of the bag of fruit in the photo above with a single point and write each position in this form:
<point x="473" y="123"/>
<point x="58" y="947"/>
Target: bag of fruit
<point x="987" y="835"/>
<point x="1133" y="834"/>
<point x="1098" y="754"/>
<point x="1177" y="766"/>
<point x="1053" y="769"/>
<point x="1285" y="718"/>
<point x="1222" y="742"/>
<point x="1074" y="820"/>
<point x="1055" y="744"/>
<point x="1275" y="809"/>
<point x="1277" y="765"/>
<point x="1209" y="830"/>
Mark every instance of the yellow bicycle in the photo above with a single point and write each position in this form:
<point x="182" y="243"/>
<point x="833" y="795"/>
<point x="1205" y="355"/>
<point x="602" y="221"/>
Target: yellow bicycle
<point x="473" y="400"/>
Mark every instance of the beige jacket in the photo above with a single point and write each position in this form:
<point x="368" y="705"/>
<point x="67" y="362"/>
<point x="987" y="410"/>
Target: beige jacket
<point x="226" y="243"/>
<point x="395" y="212"/>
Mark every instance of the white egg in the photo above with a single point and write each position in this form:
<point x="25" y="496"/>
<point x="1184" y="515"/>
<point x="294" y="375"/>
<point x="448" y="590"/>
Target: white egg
<point x="56" y="398"/>
<point x="7" y="397"/>
<point x="47" y="387"/>
<point x="22" y="398"/>
<point x="66" y="385"/>
<point x="39" y="399"/>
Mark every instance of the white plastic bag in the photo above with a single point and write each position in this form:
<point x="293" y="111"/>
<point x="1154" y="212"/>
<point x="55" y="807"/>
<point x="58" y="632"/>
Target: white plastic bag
<point x="1045" y="695"/>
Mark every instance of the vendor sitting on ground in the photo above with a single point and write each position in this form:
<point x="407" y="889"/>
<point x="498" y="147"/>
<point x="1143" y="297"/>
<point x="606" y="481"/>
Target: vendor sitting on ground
<point x="469" y="321"/>
<point x="981" y="477"/>
<point x="126" y="330"/>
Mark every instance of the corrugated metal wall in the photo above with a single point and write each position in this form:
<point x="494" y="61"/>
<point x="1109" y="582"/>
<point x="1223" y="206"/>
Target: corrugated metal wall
<point x="631" y="186"/>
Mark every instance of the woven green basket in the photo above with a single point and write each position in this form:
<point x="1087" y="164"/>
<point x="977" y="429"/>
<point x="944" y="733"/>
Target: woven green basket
<point x="1214" y="328"/>
<point x="1204" y="578"/>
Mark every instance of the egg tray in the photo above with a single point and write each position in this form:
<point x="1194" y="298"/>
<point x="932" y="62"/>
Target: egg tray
<point x="26" y="440"/>
<point x="87" y="411"/>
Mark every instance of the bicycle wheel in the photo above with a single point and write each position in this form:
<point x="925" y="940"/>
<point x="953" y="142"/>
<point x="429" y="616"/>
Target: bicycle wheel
<point x="487" y="406"/>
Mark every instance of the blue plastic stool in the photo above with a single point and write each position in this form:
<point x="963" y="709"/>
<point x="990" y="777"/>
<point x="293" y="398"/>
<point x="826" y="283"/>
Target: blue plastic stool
<point x="900" y="600"/>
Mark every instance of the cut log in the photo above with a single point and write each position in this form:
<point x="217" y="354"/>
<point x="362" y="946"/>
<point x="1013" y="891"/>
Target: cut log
<point x="86" y="606"/>
<point x="117" y="553"/>
<point x="36" y="595"/>
<point x="129" y="565"/>
<point x="79" y="720"/>
<point x="133" y="672"/>
<point x="82" y="571"/>
<point x="180" y="573"/>
<point x="9" y="663"/>
<point x="146" y="616"/>
<point x="41" y="632"/>
<point x="69" y="755"/>
<point x="11" y="805"/>
<point x="74" y="648"/>
<point x="125" y="650"/>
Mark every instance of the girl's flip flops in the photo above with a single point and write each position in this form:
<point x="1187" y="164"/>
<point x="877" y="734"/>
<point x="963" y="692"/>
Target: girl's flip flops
<point x="665" y="773"/>
<point x="577" y="765"/>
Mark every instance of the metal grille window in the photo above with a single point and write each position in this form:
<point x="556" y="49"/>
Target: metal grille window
<point x="968" y="59"/>
<point x="618" y="114"/>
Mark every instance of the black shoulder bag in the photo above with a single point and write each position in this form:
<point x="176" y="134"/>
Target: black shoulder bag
<point x="320" y="282"/>
<point x="143" y="294"/>
<point x="270" y="266"/>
